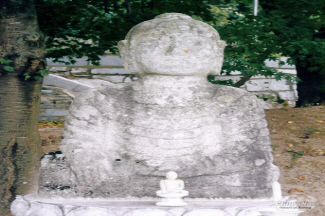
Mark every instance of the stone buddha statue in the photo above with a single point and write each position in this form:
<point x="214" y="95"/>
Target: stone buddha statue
<point x="172" y="191"/>
<point x="119" y="141"/>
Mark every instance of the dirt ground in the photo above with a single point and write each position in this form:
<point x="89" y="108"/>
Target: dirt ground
<point x="297" y="135"/>
<point x="302" y="132"/>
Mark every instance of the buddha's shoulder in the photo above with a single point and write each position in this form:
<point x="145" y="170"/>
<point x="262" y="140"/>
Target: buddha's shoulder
<point x="232" y="96"/>
<point x="106" y="100"/>
<point x="109" y="92"/>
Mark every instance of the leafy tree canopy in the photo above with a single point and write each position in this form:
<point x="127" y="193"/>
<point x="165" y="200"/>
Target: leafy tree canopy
<point x="71" y="24"/>
<point x="293" y="28"/>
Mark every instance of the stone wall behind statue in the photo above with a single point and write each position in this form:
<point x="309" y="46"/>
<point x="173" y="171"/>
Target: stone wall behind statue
<point x="68" y="80"/>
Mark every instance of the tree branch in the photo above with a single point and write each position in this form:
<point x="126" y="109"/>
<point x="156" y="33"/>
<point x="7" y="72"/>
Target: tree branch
<point x="242" y="81"/>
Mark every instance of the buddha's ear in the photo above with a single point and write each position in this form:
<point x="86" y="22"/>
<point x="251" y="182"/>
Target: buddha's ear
<point x="128" y="57"/>
<point x="121" y="47"/>
<point x="221" y="44"/>
<point x="219" y="58"/>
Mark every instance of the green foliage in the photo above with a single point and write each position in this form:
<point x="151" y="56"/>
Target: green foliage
<point x="265" y="97"/>
<point x="212" y="79"/>
<point x="8" y="68"/>
<point x="296" y="154"/>
<point x="44" y="72"/>
<point x="311" y="130"/>
<point x="36" y="76"/>
<point x="298" y="28"/>
<point x="4" y="65"/>
<point x="91" y="27"/>
<point x="280" y="100"/>
<point x="250" y="41"/>
<point x="4" y="61"/>
<point x="282" y="28"/>
<point x="27" y="75"/>
<point x="277" y="98"/>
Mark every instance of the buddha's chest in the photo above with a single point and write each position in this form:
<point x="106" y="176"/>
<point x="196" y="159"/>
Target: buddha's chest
<point x="156" y="130"/>
<point x="168" y="119"/>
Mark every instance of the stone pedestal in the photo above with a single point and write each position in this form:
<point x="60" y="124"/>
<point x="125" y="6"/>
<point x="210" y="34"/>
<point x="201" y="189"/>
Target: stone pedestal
<point x="33" y="205"/>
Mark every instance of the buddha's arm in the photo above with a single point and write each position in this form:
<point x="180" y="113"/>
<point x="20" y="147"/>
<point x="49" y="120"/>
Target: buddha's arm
<point x="163" y="185"/>
<point x="81" y="122"/>
<point x="181" y="184"/>
<point x="88" y="138"/>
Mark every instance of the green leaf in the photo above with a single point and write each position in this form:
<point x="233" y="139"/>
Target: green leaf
<point x="300" y="153"/>
<point x="38" y="78"/>
<point x="27" y="76"/>
<point x="4" y="61"/>
<point x="44" y="72"/>
<point x="280" y="101"/>
<point x="8" y="68"/>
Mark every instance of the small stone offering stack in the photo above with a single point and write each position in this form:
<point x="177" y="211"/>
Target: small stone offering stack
<point x="121" y="140"/>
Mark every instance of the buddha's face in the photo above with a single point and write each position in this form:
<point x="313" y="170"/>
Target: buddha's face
<point x="176" y="47"/>
<point x="171" y="175"/>
<point x="175" y="53"/>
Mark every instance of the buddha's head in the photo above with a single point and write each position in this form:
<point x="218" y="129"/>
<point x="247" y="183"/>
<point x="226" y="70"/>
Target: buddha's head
<point x="171" y="175"/>
<point x="172" y="44"/>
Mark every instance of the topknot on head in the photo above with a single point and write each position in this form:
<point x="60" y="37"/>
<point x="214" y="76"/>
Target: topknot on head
<point x="173" y="15"/>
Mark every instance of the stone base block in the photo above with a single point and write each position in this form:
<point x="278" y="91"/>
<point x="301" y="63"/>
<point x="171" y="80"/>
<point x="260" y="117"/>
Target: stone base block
<point x="33" y="205"/>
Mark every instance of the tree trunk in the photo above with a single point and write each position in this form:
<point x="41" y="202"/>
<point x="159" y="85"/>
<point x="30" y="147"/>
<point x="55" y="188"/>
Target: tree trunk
<point x="23" y="44"/>
<point x="311" y="89"/>
<point x="19" y="138"/>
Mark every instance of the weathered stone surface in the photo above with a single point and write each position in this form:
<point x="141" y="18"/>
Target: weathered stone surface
<point x="108" y="71"/>
<point x="257" y="211"/>
<point x="54" y="99"/>
<point x="79" y="71"/>
<point x="267" y="84"/>
<point x="41" y="209"/>
<point x="79" y="61"/>
<point x="140" y="207"/>
<point x="90" y="211"/>
<point x="56" y="175"/>
<point x="207" y="212"/>
<point x="148" y="212"/>
<point x="288" y="95"/>
<point x="53" y="80"/>
<point x="19" y="206"/>
<point x="172" y="44"/>
<point x="120" y="141"/>
<point x="271" y="63"/>
<point x="56" y="112"/>
<point x="288" y="71"/>
<point x="280" y="85"/>
<point x="234" y="78"/>
<point x="58" y="69"/>
<point x="146" y="134"/>
<point x="117" y="79"/>
<point x="94" y="83"/>
<point x="110" y="61"/>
